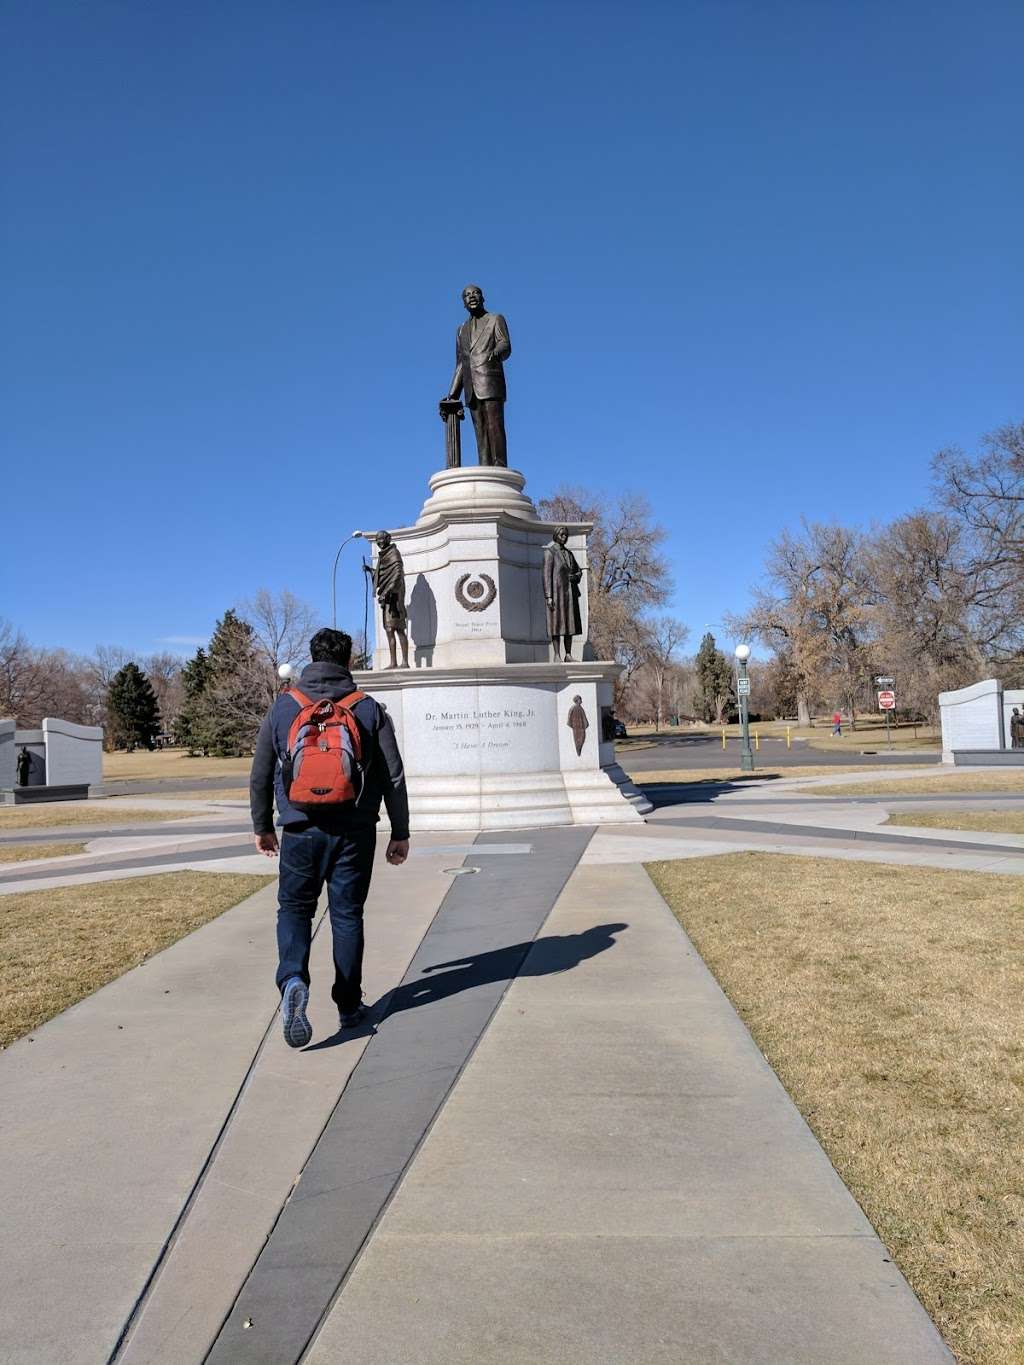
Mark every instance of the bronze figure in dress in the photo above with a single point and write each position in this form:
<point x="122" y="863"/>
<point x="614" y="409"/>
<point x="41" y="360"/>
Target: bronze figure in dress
<point x="562" y="578"/>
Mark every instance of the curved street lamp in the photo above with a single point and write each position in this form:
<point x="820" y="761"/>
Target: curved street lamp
<point x="356" y="535"/>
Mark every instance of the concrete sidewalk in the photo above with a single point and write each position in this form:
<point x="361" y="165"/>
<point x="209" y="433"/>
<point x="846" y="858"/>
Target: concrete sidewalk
<point x="619" y="1176"/>
<point x="558" y="1143"/>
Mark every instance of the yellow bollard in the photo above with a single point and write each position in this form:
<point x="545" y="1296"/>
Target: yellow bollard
<point x="789" y="740"/>
<point x="723" y="736"/>
<point x="757" y="741"/>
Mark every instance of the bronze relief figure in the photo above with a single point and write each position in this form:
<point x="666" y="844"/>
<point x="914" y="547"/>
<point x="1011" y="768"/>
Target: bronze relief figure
<point x="578" y="724"/>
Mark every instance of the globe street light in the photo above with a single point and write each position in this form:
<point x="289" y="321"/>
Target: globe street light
<point x="742" y="693"/>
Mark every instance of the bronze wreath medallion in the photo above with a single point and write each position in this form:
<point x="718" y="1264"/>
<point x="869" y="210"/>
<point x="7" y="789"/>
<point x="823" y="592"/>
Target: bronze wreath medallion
<point x="475" y="591"/>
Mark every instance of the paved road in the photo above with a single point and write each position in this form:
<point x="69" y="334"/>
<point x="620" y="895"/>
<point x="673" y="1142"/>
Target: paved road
<point x="689" y="750"/>
<point x="142" y="786"/>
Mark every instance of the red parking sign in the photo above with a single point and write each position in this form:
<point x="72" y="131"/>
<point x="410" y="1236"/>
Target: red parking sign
<point x="887" y="701"/>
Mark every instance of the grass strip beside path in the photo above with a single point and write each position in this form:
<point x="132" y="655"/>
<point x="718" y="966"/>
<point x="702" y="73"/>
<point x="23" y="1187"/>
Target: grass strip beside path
<point x="60" y="945"/>
<point x="949" y="783"/>
<point x="27" y="853"/>
<point x="55" y="814"/>
<point x="989" y="821"/>
<point x="890" y="1001"/>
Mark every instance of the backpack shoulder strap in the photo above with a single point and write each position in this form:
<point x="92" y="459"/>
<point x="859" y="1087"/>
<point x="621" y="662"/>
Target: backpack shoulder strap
<point x="300" y="697"/>
<point x="353" y="699"/>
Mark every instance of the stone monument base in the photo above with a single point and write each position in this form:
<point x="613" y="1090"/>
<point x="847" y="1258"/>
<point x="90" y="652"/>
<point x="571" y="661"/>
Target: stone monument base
<point x="492" y="747"/>
<point x="27" y="796"/>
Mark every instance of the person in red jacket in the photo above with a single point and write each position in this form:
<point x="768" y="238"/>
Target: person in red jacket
<point x="837" y="723"/>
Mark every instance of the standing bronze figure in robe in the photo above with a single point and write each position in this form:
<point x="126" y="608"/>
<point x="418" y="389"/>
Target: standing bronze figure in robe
<point x="562" y="577"/>
<point x="481" y="346"/>
<point x="389" y="589"/>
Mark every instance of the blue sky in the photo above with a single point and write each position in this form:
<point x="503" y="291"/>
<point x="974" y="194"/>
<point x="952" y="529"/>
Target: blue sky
<point x="758" y="260"/>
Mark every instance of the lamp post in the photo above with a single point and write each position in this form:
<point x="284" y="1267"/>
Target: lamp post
<point x="334" y="577"/>
<point x="742" y="693"/>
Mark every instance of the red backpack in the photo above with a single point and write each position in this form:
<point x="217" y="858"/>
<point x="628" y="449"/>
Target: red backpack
<point x="323" y="765"/>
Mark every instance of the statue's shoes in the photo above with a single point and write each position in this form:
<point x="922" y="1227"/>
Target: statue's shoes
<point x="294" y="999"/>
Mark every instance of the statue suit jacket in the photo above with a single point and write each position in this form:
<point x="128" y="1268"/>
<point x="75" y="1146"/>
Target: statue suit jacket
<point x="478" y="371"/>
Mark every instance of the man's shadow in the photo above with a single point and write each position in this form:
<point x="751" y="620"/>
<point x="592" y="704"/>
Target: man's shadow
<point x="536" y="957"/>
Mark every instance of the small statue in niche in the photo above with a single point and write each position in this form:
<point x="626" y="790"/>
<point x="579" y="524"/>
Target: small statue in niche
<point x="578" y="724"/>
<point x="562" y="577"/>
<point x="1016" y="729"/>
<point x="389" y="589"/>
<point x="24" y="766"/>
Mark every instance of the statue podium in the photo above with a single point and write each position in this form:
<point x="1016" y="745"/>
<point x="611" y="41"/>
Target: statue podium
<point x="496" y="733"/>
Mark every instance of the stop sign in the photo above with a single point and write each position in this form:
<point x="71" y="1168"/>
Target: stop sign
<point x="887" y="701"/>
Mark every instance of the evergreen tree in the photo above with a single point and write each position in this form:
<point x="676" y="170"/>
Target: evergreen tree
<point x="134" y="715"/>
<point x="714" y="679"/>
<point x="231" y="705"/>
<point x="195" y="677"/>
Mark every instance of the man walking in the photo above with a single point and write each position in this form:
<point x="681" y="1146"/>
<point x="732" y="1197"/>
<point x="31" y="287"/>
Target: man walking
<point x="328" y="754"/>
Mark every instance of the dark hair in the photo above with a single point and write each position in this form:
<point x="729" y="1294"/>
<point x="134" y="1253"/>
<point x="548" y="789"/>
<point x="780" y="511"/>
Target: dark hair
<point x="331" y="647"/>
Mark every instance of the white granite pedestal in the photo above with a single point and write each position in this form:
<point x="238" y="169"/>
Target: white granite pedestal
<point x="492" y="748"/>
<point x="483" y="713"/>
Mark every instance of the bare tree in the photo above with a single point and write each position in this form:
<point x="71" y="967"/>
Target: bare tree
<point x="22" y="682"/>
<point x="666" y="636"/>
<point x="985" y="495"/>
<point x="627" y="572"/>
<point x="281" y="626"/>
<point x="164" y="673"/>
<point x="101" y="668"/>
<point x="819" y="609"/>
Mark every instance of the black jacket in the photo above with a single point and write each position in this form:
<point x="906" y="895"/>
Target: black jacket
<point x="385" y="776"/>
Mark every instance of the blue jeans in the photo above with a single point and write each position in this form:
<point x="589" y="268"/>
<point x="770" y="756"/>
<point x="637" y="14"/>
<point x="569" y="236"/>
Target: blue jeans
<point x="344" y="863"/>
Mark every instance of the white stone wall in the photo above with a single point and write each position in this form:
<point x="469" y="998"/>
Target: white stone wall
<point x="8" y="754"/>
<point x="74" y="753"/>
<point x="972" y="718"/>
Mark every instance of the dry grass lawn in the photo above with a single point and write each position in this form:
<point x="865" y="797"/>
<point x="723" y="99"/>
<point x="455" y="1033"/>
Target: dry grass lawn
<point x="991" y="821"/>
<point x="949" y="782"/>
<point x="227" y="794"/>
<point x="56" y="814"/>
<point x="869" y="734"/>
<point x="60" y="945"/>
<point x="890" y="1001"/>
<point x="170" y="763"/>
<point x="26" y="853"/>
<point x="638" y="774"/>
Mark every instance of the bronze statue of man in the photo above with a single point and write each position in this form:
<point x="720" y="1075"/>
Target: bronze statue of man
<point x="1016" y="729"/>
<point x="389" y="590"/>
<point x="562" y="577"/>
<point x="481" y="345"/>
